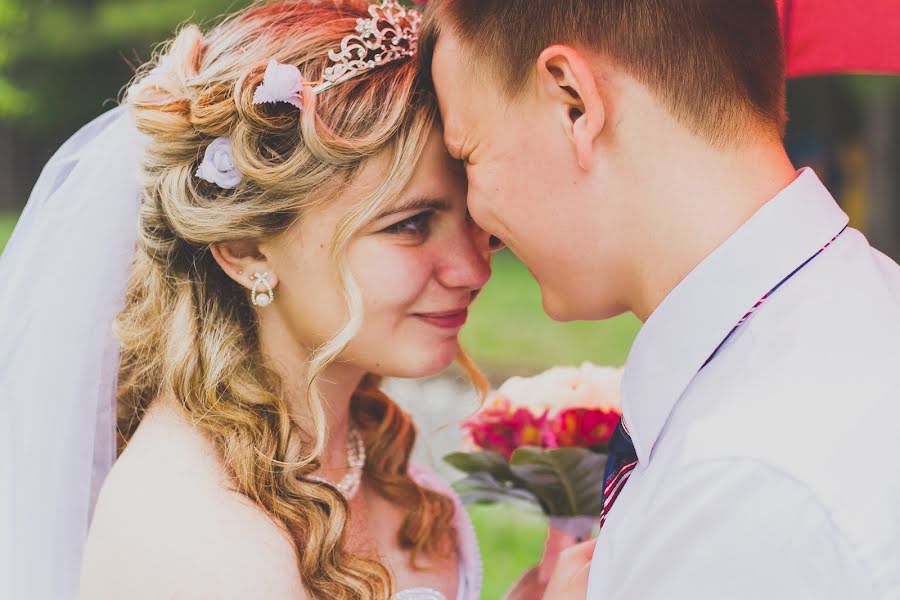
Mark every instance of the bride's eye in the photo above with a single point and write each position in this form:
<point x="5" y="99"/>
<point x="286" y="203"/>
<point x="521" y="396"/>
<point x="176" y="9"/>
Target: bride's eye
<point x="418" y="225"/>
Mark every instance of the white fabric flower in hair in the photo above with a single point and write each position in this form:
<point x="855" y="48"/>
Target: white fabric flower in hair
<point x="218" y="165"/>
<point x="281" y="83"/>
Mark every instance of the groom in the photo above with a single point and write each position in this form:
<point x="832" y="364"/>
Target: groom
<point x="630" y="153"/>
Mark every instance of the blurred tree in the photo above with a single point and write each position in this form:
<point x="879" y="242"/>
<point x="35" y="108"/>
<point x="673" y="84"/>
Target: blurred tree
<point x="848" y="128"/>
<point x="63" y="62"/>
<point x="13" y="100"/>
<point x="61" y="59"/>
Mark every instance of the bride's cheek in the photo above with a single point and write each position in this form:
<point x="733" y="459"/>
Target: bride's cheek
<point x="393" y="278"/>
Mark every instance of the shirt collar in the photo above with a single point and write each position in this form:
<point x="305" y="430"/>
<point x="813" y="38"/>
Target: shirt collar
<point x="699" y="313"/>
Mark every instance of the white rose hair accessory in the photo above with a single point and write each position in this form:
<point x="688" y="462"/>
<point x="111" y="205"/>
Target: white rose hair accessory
<point x="281" y="83"/>
<point x="218" y="165"/>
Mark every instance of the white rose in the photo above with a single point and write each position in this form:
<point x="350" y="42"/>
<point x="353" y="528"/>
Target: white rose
<point x="281" y="83"/>
<point x="559" y="388"/>
<point x="218" y="165"/>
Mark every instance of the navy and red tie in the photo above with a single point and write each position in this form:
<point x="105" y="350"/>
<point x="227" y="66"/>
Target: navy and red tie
<point x="621" y="462"/>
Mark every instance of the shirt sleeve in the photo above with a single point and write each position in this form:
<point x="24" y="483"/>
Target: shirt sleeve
<point x="738" y="530"/>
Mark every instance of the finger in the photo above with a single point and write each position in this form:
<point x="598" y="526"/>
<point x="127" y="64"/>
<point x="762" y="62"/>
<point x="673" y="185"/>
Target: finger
<point x="570" y="578"/>
<point x="579" y="553"/>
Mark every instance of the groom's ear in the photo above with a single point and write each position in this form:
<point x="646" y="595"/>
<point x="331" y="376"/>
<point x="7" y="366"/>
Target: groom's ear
<point x="566" y="80"/>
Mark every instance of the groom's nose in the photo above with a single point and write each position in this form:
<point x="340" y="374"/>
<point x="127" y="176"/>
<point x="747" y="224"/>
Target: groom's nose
<point x="479" y="215"/>
<point x="488" y="242"/>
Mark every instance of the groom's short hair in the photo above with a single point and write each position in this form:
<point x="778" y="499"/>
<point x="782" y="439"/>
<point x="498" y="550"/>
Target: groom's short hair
<point x="718" y="65"/>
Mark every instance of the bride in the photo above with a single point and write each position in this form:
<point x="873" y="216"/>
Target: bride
<point x="300" y="233"/>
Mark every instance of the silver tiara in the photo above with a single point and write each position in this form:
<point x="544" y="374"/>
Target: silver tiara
<point x="391" y="33"/>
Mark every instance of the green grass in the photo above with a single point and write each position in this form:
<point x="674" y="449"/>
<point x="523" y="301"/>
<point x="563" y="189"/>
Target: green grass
<point x="511" y="541"/>
<point x="7" y="223"/>
<point x="509" y="333"/>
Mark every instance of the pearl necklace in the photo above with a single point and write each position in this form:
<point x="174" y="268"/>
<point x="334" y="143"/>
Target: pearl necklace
<point x="356" y="459"/>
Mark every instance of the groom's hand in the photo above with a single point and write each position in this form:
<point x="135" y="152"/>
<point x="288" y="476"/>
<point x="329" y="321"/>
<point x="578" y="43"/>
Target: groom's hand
<point x="570" y="578"/>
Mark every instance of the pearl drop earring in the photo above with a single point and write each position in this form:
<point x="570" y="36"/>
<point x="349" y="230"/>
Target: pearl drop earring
<point x="261" y="299"/>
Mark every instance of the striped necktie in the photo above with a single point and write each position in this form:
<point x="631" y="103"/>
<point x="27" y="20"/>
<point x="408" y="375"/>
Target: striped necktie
<point x="621" y="462"/>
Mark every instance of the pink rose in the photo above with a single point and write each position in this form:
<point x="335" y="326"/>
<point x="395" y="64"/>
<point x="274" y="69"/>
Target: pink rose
<point x="501" y="428"/>
<point x="583" y="427"/>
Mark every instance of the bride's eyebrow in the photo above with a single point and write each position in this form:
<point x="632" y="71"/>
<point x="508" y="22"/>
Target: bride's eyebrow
<point x="415" y="204"/>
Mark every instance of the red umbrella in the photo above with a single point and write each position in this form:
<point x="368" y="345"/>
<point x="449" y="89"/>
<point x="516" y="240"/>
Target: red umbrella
<point x="841" y="36"/>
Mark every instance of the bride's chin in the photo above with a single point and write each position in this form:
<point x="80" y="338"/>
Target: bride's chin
<point x="429" y="361"/>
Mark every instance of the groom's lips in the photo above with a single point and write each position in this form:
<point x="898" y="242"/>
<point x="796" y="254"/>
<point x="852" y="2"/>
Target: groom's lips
<point x="446" y="320"/>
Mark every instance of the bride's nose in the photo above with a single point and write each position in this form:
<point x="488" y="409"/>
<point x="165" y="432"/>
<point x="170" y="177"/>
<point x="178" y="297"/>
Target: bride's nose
<point x="466" y="263"/>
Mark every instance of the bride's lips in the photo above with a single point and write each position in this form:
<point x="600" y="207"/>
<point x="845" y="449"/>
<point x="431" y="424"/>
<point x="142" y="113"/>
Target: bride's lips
<point x="453" y="319"/>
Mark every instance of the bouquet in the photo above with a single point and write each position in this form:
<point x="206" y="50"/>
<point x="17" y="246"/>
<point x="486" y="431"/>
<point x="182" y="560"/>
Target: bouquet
<point x="544" y="440"/>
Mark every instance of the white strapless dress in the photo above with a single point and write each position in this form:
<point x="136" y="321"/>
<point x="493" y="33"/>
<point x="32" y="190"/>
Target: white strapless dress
<point x="470" y="567"/>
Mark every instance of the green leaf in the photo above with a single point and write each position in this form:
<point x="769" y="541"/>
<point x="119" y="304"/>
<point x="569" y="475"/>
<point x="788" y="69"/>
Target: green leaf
<point x="476" y="462"/>
<point x="483" y="488"/>
<point x="567" y="481"/>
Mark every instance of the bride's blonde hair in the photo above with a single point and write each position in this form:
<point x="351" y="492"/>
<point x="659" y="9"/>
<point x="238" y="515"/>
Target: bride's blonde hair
<point x="188" y="331"/>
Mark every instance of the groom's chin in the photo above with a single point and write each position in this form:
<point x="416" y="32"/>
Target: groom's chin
<point x="566" y="307"/>
<point x="557" y="306"/>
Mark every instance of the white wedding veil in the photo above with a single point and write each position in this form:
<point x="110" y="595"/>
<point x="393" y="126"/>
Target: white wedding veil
<point x="63" y="278"/>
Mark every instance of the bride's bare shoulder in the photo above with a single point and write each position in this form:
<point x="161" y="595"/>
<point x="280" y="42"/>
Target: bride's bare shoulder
<point x="166" y="525"/>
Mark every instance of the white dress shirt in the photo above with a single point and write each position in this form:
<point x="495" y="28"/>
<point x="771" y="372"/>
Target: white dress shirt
<point x="774" y="471"/>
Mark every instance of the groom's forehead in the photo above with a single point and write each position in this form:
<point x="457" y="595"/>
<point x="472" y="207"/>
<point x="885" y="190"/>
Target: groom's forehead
<point x="447" y="64"/>
<point x="452" y="81"/>
<point x="462" y="78"/>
